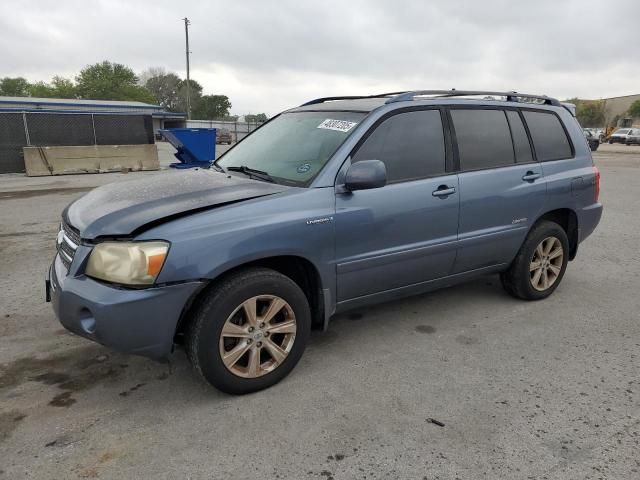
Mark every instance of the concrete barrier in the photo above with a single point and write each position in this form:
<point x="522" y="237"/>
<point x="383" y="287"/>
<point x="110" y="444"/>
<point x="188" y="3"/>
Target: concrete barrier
<point x="40" y="161"/>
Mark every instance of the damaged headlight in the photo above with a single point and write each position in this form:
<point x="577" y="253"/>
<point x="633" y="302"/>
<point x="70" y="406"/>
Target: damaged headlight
<point x="127" y="263"/>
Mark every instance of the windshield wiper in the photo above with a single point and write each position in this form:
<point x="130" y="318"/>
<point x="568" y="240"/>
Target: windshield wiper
<point x="252" y="172"/>
<point x="217" y="167"/>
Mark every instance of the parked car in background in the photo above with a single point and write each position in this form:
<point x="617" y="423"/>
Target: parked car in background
<point x="592" y="140"/>
<point x="621" y="135"/>
<point x="337" y="204"/>
<point x="634" y="137"/>
<point x="224" y="135"/>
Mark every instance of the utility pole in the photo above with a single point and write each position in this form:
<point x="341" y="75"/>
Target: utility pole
<point x="186" y="36"/>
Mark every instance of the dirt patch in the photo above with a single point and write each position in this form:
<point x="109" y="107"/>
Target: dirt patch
<point x="52" y="378"/>
<point x="73" y="371"/>
<point x="63" y="399"/>
<point x="9" y="422"/>
<point x="41" y="192"/>
<point x="425" y="329"/>
<point x="464" y="340"/>
<point x="126" y="393"/>
<point x="93" y="471"/>
<point x="50" y="370"/>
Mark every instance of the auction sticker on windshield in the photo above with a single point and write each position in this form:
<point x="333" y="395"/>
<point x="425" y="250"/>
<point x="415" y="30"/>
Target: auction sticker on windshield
<point x="338" y="125"/>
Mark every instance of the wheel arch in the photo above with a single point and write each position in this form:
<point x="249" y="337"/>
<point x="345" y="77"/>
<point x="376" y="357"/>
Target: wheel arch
<point x="568" y="220"/>
<point x="299" y="269"/>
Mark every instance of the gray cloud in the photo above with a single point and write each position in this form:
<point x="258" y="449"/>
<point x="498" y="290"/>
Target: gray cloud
<point x="268" y="55"/>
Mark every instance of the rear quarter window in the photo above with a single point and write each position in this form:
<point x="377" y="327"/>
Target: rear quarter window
<point x="549" y="138"/>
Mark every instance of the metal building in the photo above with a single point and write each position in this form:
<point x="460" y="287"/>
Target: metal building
<point x="26" y="121"/>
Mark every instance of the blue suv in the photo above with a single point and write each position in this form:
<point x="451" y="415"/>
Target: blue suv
<point x="337" y="204"/>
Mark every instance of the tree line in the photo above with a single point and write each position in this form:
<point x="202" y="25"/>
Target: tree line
<point x="592" y="113"/>
<point x="114" y="81"/>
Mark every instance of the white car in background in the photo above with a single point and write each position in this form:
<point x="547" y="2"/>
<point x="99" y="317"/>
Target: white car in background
<point x="623" y="135"/>
<point x="634" y="137"/>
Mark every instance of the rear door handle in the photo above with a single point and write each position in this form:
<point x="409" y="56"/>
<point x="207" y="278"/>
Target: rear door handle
<point x="531" y="176"/>
<point x="443" y="191"/>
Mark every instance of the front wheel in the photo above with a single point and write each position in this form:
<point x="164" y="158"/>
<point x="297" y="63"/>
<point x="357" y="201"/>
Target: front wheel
<point x="250" y="331"/>
<point x="540" y="264"/>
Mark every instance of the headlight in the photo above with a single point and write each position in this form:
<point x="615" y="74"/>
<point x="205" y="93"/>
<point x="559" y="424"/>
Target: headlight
<point x="128" y="263"/>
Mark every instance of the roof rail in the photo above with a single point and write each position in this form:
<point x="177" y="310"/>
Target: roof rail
<point x="511" y="96"/>
<point x="350" y="97"/>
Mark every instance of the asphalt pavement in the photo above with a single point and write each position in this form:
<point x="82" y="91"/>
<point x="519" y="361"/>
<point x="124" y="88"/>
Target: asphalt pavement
<point x="523" y="390"/>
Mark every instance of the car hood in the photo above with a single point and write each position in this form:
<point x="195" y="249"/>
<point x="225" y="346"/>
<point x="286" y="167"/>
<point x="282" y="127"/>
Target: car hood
<point x="129" y="207"/>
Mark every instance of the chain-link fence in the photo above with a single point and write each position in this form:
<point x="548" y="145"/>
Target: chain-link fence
<point x="12" y="138"/>
<point x="67" y="129"/>
<point x="238" y="130"/>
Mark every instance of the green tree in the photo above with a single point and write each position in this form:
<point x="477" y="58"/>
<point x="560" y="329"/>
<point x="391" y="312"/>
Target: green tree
<point x="634" y="109"/>
<point x="195" y="92"/>
<point x="590" y="113"/>
<point x="111" y="81"/>
<point x="41" y="90"/>
<point x="58" y="88"/>
<point x="63" y="87"/>
<point x="211" y="107"/>
<point x="165" y="87"/>
<point x="258" y="118"/>
<point x="14" y="87"/>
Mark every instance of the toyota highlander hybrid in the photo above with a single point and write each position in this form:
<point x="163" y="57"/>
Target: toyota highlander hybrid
<point x="337" y="204"/>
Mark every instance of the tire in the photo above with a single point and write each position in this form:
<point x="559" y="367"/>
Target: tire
<point x="519" y="279"/>
<point x="223" y="305"/>
<point x="610" y="142"/>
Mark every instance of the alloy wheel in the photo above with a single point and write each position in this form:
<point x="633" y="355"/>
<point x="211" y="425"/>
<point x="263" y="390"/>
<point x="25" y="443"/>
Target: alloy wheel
<point x="258" y="336"/>
<point x="546" y="263"/>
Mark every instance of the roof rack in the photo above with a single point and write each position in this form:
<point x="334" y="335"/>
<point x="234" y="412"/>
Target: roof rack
<point x="351" y="97"/>
<point x="510" y="96"/>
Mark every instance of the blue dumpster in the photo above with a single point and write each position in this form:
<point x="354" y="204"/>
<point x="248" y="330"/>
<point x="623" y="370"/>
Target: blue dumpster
<point x="196" y="147"/>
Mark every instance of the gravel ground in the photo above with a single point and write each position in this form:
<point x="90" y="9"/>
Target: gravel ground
<point x="545" y="390"/>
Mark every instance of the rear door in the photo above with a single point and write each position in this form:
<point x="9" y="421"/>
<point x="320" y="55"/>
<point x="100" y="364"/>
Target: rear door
<point x="405" y="232"/>
<point x="502" y="187"/>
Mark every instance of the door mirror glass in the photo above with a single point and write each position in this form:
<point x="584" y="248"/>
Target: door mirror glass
<point x="366" y="174"/>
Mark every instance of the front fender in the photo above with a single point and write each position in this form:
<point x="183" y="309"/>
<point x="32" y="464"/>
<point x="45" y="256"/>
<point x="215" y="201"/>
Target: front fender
<point x="207" y="244"/>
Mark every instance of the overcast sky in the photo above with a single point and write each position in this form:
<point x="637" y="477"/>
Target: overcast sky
<point x="268" y="55"/>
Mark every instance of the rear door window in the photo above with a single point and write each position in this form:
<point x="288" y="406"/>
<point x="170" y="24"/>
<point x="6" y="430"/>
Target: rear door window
<point x="549" y="138"/>
<point x="410" y="144"/>
<point x="521" y="144"/>
<point x="483" y="138"/>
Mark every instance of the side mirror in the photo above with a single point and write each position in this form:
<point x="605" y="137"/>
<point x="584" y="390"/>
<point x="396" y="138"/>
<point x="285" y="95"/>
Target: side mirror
<point x="366" y="174"/>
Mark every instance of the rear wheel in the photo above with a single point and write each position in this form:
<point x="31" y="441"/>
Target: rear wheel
<point x="250" y="331"/>
<point x="540" y="264"/>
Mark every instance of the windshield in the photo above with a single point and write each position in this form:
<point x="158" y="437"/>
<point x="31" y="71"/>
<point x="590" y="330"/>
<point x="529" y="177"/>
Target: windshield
<point x="293" y="147"/>
<point x="621" y="132"/>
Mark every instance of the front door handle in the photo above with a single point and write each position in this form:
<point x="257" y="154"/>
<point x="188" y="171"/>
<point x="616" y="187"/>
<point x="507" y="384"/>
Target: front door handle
<point x="443" y="191"/>
<point x="531" y="176"/>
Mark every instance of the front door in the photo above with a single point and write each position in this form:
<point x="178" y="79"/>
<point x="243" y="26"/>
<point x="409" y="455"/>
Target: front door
<point x="405" y="232"/>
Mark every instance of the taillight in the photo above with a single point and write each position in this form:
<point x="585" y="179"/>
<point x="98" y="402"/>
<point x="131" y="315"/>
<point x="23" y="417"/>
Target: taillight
<point x="596" y="180"/>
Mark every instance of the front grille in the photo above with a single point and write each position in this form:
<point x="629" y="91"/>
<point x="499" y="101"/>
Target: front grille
<point x="67" y="243"/>
<point x="71" y="232"/>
